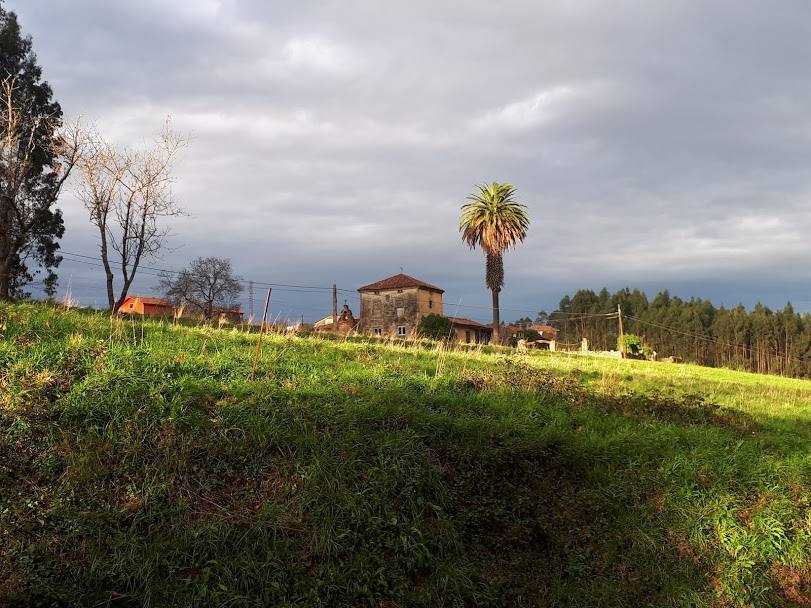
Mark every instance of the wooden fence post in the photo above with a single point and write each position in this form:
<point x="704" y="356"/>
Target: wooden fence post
<point x="259" y="338"/>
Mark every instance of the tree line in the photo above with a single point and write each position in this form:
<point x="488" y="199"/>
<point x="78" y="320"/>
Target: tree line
<point x="759" y="340"/>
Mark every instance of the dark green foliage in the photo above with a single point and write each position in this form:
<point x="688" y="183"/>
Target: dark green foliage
<point x="531" y="334"/>
<point x="436" y="326"/>
<point x="31" y="226"/>
<point x="152" y="472"/>
<point x="633" y="345"/>
<point x="760" y="340"/>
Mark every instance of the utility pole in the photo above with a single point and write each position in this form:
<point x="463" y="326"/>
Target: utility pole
<point x="250" y="299"/>
<point x="259" y="338"/>
<point x="334" y="307"/>
<point x="621" y="332"/>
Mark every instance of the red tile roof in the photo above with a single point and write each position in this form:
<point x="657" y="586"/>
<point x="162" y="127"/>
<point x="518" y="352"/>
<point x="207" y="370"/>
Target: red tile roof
<point x="151" y="301"/>
<point x="400" y="281"/>
<point x="468" y="322"/>
<point x="544" y="328"/>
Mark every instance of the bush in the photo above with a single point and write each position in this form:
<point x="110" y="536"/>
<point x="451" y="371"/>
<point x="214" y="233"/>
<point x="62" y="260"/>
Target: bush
<point x="436" y="326"/>
<point x="635" y="347"/>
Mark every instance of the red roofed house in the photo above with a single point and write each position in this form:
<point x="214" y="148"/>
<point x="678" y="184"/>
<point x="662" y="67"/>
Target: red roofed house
<point x="394" y="306"/>
<point x="470" y="331"/>
<point x="148" y="307"/>
<point x="548" y="335"/>
<point x="547" y="331"/>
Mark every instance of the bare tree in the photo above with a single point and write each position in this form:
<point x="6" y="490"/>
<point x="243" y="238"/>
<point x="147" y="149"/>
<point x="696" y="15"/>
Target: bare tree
<point x="129" y="196"/>
<point x="207" y="284"/>
<point x="29" y="183"/>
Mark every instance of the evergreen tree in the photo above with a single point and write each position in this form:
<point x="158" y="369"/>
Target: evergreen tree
<point x="760" y="340"/>
<point x="32" y="168"/>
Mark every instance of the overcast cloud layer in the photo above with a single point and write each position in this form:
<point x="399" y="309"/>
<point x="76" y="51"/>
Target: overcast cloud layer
<point x="657" y="144"/>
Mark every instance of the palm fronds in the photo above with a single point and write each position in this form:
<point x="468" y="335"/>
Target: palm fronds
<point x="493" y="220"/>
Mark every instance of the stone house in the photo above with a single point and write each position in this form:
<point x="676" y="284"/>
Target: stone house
<point x="394" y="306"/>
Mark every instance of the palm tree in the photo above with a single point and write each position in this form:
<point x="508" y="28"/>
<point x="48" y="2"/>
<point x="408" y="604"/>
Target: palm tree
<point x="495" y="222"/>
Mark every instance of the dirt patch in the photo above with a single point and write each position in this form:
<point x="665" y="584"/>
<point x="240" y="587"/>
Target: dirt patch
<point x="794" y="584"/>
<point x="270" y="499"/>
<point x="11" y="582"/>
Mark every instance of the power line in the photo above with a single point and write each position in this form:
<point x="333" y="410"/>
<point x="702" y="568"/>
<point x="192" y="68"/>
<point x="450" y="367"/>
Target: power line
<point x="176" y="272"/>
<point x="156" y="272"/>
<point x="295" y="288"/>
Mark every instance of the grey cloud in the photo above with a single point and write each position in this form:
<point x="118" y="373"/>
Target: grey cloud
<point x="658" y="144"/>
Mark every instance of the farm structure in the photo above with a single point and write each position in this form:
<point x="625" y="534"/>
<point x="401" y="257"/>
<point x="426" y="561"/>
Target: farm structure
<point x="469" y="331"/>
<point x="146" y="306"/>
<point x="156" y="307"/>
<point x="528" y="335"/>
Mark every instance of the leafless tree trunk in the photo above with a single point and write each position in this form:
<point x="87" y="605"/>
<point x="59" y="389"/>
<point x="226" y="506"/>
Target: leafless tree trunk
<point x="128" y="195"/>
<point x="21" y="206"/>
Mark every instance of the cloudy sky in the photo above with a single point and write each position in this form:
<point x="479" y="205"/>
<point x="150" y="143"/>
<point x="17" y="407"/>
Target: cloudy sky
<point x="657" y="144"/>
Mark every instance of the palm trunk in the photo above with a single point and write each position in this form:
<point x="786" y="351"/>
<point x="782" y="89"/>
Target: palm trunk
<point x="494" y="278"/>
<point x="496" y="319"/>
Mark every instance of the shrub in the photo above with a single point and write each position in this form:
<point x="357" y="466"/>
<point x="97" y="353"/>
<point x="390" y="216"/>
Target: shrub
<point x="635" y="348"/>
<point x="436" y="326"/>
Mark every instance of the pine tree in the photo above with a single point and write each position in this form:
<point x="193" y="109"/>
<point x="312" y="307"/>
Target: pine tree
<point x="32" y="166"/>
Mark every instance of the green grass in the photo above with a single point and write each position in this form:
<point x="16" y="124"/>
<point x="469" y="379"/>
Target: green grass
<point x="140" y="466"/>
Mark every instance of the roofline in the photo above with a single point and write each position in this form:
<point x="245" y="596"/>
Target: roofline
<point x="468" y="323"/>
<point x="161" y="300"/>
<point x="426" y="287"/>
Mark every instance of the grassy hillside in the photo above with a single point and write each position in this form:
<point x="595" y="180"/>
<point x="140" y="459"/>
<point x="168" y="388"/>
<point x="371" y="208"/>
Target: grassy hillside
<point x="139" y="465"/>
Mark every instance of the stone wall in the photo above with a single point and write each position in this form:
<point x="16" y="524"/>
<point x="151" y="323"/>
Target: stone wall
<point x="430" y="302"/>
<point x="471" y="335"/>
<point x="390" y="309"/>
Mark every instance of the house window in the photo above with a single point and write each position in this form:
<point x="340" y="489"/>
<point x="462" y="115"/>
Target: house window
<point x="378" y="331"/>
<point x="430" y="303"/>
<point x="467" y="336"/>
<point x="401" y="330"/>
<point x="132" y="305"/>
<point x="400" y="312"/>
<point x="399" y="291"/>
<point x="388" y="297"/>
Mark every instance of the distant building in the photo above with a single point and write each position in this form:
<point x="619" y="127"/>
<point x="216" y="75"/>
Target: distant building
<point x="394" y="306"/>
<point x="221" y="314"/>
<point x="547" y="331"/>
<point x="548" y="335"/>
<point x="469" y="331"/>
<point x="146" y="306"/>
<point x="231" y="314"/>
<point x="347" y="323"/>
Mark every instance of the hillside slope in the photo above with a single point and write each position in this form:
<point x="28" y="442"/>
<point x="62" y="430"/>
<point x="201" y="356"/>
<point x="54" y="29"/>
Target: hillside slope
<point x="139" y="465"/>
